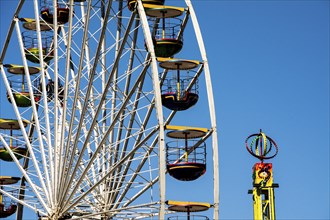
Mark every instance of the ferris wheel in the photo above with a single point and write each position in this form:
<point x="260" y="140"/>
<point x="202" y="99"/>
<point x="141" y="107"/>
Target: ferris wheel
<point x="97" y="119"/>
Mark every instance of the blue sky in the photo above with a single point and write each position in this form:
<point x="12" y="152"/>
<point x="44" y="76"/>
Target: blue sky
<point x="269" y="62"/>
<point x="270" y="68"/>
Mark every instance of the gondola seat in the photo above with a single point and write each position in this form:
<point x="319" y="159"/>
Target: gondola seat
<point x="170" y="101"/>
<point x="4" y="213"/>
<point x="22" y="99"/>
<point x="32" y="54"/>
<point x="62" y="15"/>
<point x="186" y="171"/>
<point x="19" y="153"/>
<point x="167" y="47"/>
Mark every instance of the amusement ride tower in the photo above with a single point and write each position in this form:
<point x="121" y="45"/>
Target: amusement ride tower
<point x="263" y="148"/>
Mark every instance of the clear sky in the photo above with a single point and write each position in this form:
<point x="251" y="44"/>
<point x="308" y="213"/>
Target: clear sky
<point x="270" y="69"/>
<point x="269" y="62"/>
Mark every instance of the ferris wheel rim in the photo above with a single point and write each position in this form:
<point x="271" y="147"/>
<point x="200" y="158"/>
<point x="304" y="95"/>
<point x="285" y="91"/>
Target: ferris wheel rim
<point x="126" y="106"/>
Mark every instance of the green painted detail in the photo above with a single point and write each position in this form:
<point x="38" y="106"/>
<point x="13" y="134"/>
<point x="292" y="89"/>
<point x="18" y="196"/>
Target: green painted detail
<point x="19" y="152"/>
<point x="22" y="99"/>
<point x="167" y="48"/>
<point x="32" y="54"/>
<point x="11" y="124"/>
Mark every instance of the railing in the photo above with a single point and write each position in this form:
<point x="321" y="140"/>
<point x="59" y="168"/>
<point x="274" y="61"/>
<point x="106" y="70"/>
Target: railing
<point x="190" y="217"/>
<point x="175" y="150"/>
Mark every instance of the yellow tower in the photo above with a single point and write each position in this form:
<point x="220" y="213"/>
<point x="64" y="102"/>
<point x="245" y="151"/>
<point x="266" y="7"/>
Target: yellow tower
<point x="262" y="147"/>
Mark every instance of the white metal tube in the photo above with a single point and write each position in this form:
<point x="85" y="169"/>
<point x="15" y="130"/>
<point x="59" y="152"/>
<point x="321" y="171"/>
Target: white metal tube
<point x="40" y="211"/>
<point x="10" y="32"/>
<point x="43" y="84"/>
<point x="46" y="111"/>
<point x="113" y="168"/>
<point x="24" y="173"/>
<point x="65" y="186"/>
<point x="92" y="159"/>
<point x="56" y="105"/>
<point x="211" y="109"/>
<point x="43" y="70"/>
<point x="35" y="114"/>
<point x="158" y="105"/>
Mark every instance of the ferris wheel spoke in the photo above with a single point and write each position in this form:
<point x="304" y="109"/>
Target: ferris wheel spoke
<point x="11" y="29"/>
<point x="137" y="171"/>
<point x="36" y="122"/>
<point x="184" y="24"/>
<point x="127" y="167"/>
<point x="132" y="112"/>
<point x="137" y="141"/>
<point x="105" y="135"/>
<point x="47" y="120"/>
<point x="24" y="173"/>
<point x="116" y="200"/>
<point x="28" y="205"/>
<point x="158" y="104"/>
<point x="92" y="72"/>
<point x="77" y="86"/>
<point x="102" y="100"/>
<point x="112" y="169"/>
<point x="115" y="74"/>
<point x="26" y="138"/>
<point x="91" y="76"/>
<point x="101" y="161"/>
<point x="79" y="107"/>
<point x="22" y="189"/>
<point x="95" y="142"/>
<point x="59" y="137"/>
<point x="138" y="194"/>
<point x="128" y="130"/>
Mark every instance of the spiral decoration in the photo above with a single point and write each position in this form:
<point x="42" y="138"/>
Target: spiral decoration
<point x="261" y="146"/>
